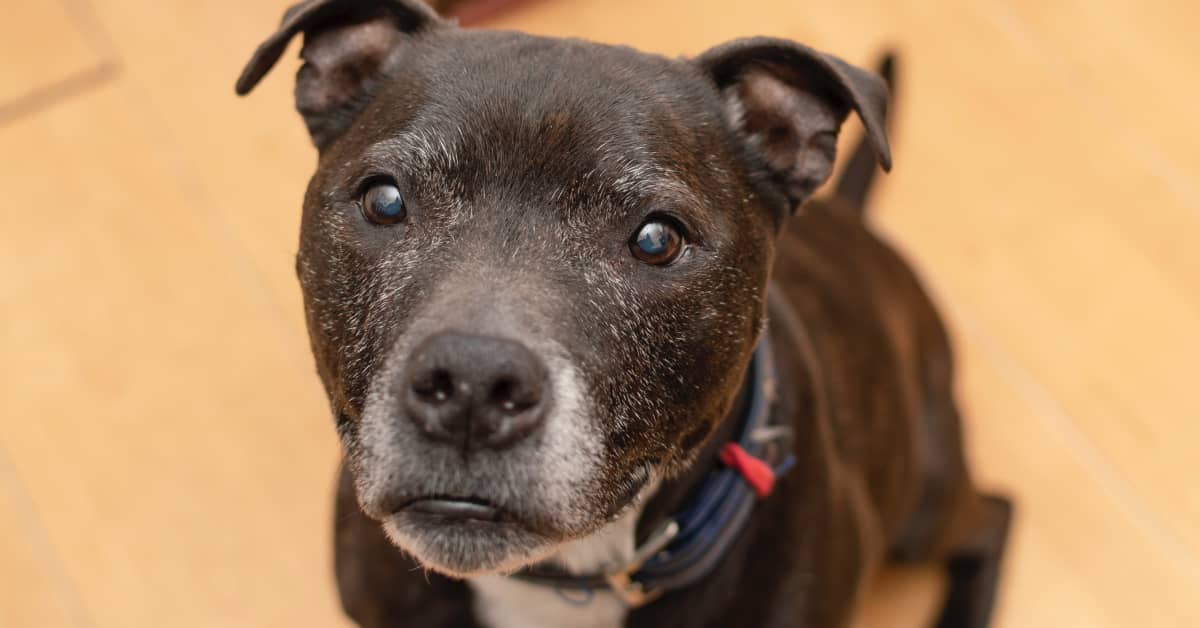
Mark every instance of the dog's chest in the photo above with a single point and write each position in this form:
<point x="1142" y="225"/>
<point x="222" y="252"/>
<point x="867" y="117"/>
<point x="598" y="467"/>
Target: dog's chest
<point x="503" y="602"/>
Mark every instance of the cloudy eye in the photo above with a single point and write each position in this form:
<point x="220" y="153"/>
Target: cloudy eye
<point x="657" y="242"/>
<point x="382" y="203"/>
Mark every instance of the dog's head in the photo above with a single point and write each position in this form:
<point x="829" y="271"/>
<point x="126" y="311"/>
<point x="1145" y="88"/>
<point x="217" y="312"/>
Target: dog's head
<point x="535" y="269"/>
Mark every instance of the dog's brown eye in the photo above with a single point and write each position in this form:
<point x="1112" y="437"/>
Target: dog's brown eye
<point x="657" y="242"/>
<point x="383" y="205"/>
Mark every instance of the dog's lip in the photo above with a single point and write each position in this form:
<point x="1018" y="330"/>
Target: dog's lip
<point x="460" y="508"/>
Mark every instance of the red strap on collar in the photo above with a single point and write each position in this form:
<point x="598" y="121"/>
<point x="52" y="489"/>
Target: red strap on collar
<point x="756" y="472"/>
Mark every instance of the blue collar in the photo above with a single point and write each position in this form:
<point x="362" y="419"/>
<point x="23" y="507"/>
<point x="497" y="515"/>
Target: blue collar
<point x="690" y="544"/>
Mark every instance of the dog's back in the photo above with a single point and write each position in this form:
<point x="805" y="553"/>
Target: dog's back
<point x="879" y="368"/>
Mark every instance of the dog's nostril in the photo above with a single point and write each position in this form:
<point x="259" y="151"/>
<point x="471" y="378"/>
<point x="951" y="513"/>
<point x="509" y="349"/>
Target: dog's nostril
<point x="437" y="389"/>
<point x="502" y="395"/>
<point x="505" y="394"/>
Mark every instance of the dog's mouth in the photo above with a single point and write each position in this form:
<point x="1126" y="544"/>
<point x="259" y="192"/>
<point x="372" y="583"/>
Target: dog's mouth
<point x="450" y="508"/>
<point x="464" y="536"/>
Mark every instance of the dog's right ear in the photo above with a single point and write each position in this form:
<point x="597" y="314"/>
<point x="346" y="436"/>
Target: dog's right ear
<point x="348" y="46"/>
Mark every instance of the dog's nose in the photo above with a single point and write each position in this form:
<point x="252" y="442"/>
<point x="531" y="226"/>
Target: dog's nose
<point x="478" y="392"/>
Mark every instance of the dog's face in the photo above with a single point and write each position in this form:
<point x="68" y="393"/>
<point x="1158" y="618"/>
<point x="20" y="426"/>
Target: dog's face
<point x="535" y="269"/>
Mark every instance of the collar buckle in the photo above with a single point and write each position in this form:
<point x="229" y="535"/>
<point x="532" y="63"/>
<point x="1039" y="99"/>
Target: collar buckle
<point x="632" y="592"/>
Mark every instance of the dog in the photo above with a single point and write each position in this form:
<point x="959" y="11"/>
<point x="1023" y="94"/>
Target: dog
<point x="594" y="358"/>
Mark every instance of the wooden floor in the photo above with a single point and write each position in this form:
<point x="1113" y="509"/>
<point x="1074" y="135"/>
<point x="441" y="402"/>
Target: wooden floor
<point x="165" y="454"/>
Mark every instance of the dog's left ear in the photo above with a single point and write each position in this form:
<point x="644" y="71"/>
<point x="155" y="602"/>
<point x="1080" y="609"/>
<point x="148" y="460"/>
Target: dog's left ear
<point x="787" y="102"/>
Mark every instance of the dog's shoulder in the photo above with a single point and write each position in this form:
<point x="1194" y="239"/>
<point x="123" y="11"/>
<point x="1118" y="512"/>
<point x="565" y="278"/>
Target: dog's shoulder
<point x="880" y="351"/>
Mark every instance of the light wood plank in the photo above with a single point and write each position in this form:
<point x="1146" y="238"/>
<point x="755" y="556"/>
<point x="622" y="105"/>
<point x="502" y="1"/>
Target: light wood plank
<point x="1069" y="249"/>
<point x="167" y="426"/>
<point x="249" y="165"/>
<point x="39" y="45"/>
<point x="33" y="589"/>
<point x="1079" y="556"/>
<point x="1131" y="64"/>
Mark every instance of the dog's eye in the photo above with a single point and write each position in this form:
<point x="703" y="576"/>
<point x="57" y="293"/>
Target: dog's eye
<point x="657" y="242"/>
<point x="382" y="204"/>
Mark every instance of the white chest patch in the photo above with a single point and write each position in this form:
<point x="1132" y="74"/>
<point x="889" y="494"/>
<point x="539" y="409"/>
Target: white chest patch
<point x="503" y="602"/>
